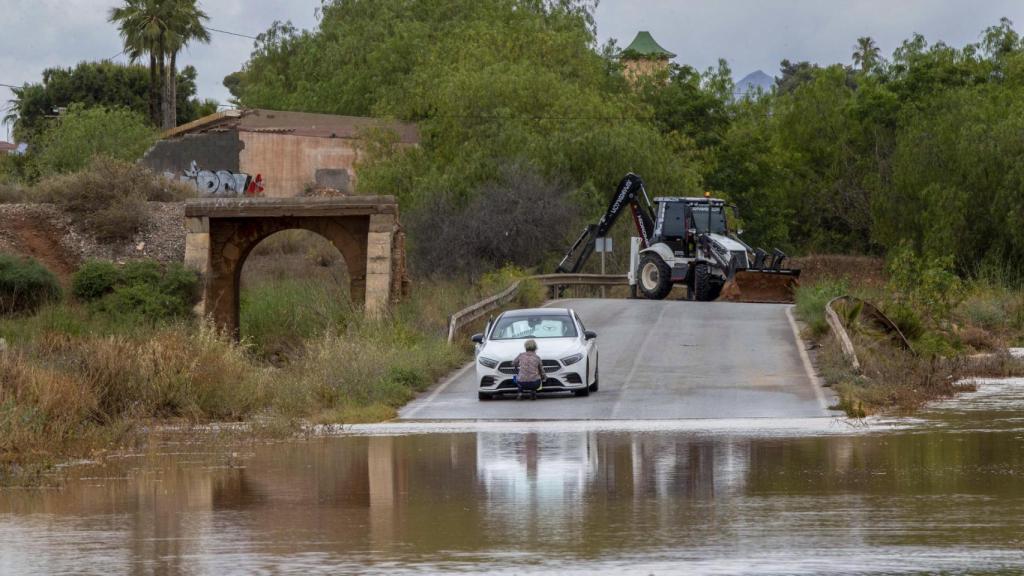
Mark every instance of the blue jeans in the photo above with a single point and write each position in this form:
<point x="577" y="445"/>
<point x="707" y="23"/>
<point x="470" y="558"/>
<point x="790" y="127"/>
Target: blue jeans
<point x="528" y="386"/>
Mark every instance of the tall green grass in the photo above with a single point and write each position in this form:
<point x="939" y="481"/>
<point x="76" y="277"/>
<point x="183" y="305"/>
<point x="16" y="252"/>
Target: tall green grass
<point x="278" y="316"/>
<point x="811" y="300"/>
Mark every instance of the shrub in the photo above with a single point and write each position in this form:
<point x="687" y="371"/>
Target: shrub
<point x="84" y="133"/>
<point x="95" y="279"/>
<point x="141" y="288"/>
<point x="109" y="198"/>
<point x="926" y="283"/>
<point x="25" y="285"/>
<point x="13" y="193"/>
<point x="906" y="320"/>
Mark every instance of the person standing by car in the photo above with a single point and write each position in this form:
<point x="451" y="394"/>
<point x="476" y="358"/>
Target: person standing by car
<point x="529" y="371"/>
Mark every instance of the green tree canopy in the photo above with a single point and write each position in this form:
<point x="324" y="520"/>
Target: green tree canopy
<point x="488" y="83"/>
<point x="96" y="84"/>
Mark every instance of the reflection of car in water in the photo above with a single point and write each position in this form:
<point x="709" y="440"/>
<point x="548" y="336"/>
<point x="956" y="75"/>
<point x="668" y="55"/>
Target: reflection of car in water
<point x="547" y="465"/>
<point x="567" y="349"/>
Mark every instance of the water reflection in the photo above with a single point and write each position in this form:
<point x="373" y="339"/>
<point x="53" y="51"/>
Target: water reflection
<point x="942" y="497"/>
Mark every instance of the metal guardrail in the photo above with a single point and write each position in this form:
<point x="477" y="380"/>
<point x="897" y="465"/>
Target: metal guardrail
<point x="871" y="312"/>
<point x="839" y="331"/>
<point x="466" y="316"/>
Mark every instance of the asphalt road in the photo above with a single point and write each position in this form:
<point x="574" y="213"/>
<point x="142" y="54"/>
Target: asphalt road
<point x="663" y="360"/>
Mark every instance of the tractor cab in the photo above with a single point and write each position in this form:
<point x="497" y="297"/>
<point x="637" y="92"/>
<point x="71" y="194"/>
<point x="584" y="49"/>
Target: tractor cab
<point x="679" y="220"/>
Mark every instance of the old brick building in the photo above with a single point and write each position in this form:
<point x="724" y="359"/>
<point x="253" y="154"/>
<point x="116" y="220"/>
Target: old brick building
<point x="291" y="153"/>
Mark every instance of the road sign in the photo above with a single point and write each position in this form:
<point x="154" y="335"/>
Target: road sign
<point x="603" y="244"/>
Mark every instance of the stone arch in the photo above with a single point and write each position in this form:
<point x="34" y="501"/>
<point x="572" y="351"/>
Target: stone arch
<point x="365" y="230"/>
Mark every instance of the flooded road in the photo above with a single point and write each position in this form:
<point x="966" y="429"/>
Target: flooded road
<point x="942" y="493"/>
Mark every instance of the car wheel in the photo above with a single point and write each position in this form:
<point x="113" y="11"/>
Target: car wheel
<point x="484" y="395"/>
<point x="584" y="392"/>
<point x="593" y="385"/>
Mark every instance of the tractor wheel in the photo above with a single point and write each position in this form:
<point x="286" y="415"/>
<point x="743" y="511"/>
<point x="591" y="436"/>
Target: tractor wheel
<point x="703" y="288"/>
<point x="655" y="277"/>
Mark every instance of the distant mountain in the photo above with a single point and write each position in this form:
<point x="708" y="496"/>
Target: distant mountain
<point x="751" y="82"/>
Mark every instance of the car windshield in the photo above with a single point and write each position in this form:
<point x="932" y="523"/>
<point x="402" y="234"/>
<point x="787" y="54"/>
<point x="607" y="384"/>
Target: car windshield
<point x="538" y="326"/>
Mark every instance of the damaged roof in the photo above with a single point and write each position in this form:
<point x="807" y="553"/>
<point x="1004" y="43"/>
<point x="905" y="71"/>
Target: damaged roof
<point x="294" y="123"/>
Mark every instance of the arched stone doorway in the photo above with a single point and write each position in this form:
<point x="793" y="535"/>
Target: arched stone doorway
<point x="222" y="233"/>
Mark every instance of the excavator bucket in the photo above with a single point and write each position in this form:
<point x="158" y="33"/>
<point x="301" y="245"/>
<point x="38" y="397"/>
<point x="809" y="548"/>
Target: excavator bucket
<point x="761" y="286"/>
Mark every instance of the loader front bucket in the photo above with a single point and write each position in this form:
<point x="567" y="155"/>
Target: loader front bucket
<point x="775" y="286"/>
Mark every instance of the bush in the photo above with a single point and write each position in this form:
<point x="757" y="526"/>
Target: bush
<point x="25" y="285"/>
<point x="926" y="283"/>
<point x="906" y="320"/>
<point x="109" y="198"/>
<point x="141" y="288"/>
<point x="81" y="134"/>
<point x="95" y="279"/>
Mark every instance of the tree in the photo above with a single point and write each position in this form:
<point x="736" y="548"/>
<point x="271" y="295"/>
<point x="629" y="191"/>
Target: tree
<point x="95" y="84"/>
<point x="141" y="24"/>
<point x="185" y="25"/>
<point x="866" y="54"/>
<point x="793" y="75"/>
<point x="488" y="82"/>
<point x="160" y="29"/>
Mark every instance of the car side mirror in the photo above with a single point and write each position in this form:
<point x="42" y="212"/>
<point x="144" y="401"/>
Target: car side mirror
<point x="589" y="334"/>
<point x="478" y="338"/>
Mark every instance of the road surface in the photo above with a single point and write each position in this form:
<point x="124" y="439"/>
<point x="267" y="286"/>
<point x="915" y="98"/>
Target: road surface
<point x="665" y="359"/>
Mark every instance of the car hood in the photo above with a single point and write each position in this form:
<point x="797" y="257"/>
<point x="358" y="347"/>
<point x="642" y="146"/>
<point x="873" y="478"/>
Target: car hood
<point x="547" y="348"/>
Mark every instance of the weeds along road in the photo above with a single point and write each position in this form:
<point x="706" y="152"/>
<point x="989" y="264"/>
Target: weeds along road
<point x="663" y="360"/>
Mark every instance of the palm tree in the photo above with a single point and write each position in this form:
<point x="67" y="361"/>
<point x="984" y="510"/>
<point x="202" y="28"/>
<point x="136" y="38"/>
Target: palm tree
<point x="160" y="29"/>
<point x="185" y="20"/>
<point x="142" y="25"/>
<point x="865" y="53"/>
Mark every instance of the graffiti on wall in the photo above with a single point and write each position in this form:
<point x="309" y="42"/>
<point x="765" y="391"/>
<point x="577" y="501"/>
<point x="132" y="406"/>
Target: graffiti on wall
<point x="222" y="182"/>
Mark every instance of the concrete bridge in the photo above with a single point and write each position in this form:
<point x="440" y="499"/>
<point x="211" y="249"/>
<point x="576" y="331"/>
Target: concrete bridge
<point x="365" y="229"/>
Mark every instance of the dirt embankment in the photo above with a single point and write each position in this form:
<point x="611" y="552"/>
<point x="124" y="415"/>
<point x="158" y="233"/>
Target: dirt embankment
<point x="858" y="270"/>
<point x="43" y="232"/>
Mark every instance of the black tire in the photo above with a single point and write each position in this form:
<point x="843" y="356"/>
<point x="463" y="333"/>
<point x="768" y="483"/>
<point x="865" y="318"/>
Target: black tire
<point x="593" y="385"/>
<point x="484" y="396"/>
<point x="654" y="277"/>
<point x="584" y="392"/>
<point x="702" y="281"/>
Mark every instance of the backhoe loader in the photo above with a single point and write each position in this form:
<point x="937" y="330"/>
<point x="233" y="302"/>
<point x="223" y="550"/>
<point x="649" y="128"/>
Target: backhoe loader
<point x="686" y="240"/>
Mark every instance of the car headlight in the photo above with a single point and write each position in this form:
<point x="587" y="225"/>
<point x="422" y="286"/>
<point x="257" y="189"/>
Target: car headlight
<point x="485" y="361"/>
<point x="570" y="360"/>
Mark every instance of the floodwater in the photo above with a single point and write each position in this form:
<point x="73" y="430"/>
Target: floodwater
<point x="941" y="493"/>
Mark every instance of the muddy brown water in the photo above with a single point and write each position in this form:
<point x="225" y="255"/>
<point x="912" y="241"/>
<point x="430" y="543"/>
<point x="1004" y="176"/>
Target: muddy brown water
<point x="941" y="493"/>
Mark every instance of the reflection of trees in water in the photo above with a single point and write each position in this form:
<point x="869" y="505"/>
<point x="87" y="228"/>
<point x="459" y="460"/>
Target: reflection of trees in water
<point x="566" y="492"/>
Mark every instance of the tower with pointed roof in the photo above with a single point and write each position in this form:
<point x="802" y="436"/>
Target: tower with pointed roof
<point x="644" y="57"/>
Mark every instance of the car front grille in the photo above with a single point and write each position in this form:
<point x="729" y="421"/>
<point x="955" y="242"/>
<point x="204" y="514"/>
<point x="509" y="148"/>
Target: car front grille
<point x="549" y="366"/>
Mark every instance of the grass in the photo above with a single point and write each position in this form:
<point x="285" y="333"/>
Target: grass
<point x="76" y="378"/>
<point x="969" y="343"/>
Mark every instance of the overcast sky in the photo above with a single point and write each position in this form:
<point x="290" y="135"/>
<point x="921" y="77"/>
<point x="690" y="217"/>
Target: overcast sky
<point x="750" y="34"/>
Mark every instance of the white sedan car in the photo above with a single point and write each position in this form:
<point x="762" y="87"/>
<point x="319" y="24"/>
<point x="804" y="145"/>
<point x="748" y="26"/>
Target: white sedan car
<point x="567" y="349"/>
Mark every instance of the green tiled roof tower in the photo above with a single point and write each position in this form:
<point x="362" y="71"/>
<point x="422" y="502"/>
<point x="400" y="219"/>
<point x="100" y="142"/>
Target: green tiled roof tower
<point x="644" y="46"/>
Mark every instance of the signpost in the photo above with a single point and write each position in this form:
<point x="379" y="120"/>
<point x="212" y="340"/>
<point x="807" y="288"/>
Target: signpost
<point x="603" y="245"/>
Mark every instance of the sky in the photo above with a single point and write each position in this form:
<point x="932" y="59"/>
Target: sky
<point x="750" y="34"/>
